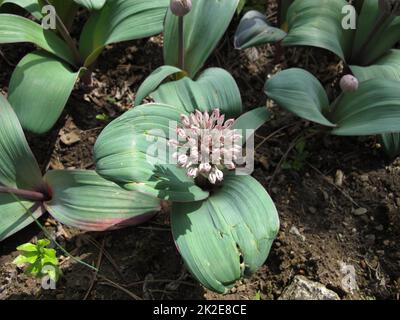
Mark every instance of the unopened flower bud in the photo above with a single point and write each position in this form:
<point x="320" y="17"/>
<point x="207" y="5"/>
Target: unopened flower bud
<point x="181" y="8"/>
<point x="349" y="83"/>
<point x="390" y="7"/>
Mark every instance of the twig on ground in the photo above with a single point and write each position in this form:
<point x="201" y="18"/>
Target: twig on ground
<point x="274" y="134"/>
<point x="334" y="185"/>
<point x="111" y="283"/>
<point x="98" y="264"/>
<point x="107" y="255"/>
<point x="291" y="147"/>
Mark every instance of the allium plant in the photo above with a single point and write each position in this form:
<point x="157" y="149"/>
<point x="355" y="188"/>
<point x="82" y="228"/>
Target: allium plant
<point x="76" y="198"/>
<point x="46" y="77"/>
<point x="368" y="108"/>
<point x="207" y="145"/>
<point x="186" y="49"/>
<point x="223" y="221"/>
<point x="362" y="35"/>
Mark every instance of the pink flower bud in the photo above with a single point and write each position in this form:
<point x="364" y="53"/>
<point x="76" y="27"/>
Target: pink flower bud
<point x="229" y="123"/>
<point x="349" y="83"/>
<point x="181" y="8"/>
<point x="182" y="160"/>
<point x="185" y="120"/>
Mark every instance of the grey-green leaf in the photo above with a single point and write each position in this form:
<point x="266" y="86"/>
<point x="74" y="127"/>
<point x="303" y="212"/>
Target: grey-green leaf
<point x="254" y="30"/>
<point x="15" y="29"/>
<point x="373" y="109"/>
<point x="121" y="20"/>
<point x="204" y="27"/>
<point x="298" y="91"/>
<point x="153" y="81"/>
<point x="387" y="67"/>
<point x="91" y="4"/>
<point x="318" y="23"/>
<point x="14" y="216"/>
<point x="227" y="236"/>
<point x="83" y="199"/>
<point x="251" y="120"/>
<point x="133" y="152"/>
<point x="370" y="43"/>
<point x="32" y="6"/>
<point x="18" y="166"/>
<point x="214" y="88"/>
<point x="39" y="90"/>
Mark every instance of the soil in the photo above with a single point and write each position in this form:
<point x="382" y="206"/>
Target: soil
<point x="322" y="225"/>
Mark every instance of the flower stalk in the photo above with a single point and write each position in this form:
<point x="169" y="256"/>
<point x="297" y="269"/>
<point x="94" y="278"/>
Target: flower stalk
<point x="181" y="8"/>
<point x="25" y="194"/>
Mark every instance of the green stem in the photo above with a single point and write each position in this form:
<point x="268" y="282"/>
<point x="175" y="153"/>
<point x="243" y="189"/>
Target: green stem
<point x="67" y="37"/>
<point x="181" y="62"/>
<point x="25" y="194"/>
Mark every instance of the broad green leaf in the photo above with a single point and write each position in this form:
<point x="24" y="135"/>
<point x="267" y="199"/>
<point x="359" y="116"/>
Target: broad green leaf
<point x="132" y="151"/>
<point x="387" y="67"/>
<point x="43" y="243"/>
<point x="27" y="247"/>
<point x="318" y="23"/>
<point x="391" y="143"/>
<point x="283" y="8"/>
<point x="84" y="200"/>
<point x="121" y="20"/>
<point x="254" y="30"/>
<point x="49" y="257"/>
<point x="204" y="27"/>
<point x="153" y="81"/>
<point x="32" y="6"/>
<point x="18" y="166"/>
<point x="298" y="91"/>
<point x="15" y="29"/>
<point x="35" y="268"/>
<point x="39" y="90"/>
<point x="373" y="109"/>
<point x="91" y="4"/>
<point x="29" y="257"/>
<point x="227" y="236"/>
<point x="252" y="120"/>
<point x="14" y="216"/>
<point x="214" y="88"/>
<point x="66" y="10"/>
<point x="370" y="42"/>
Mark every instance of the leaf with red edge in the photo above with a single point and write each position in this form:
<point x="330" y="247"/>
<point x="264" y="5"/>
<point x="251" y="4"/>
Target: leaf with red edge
<point x="84" y="200"/>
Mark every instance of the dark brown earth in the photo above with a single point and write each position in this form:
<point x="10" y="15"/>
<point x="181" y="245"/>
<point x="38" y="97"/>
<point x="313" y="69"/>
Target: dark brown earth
<point x="320" y="224"/>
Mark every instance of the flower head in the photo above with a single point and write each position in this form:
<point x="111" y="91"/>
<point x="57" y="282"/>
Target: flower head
<point x="181" y="8"/>
<point x="207" y="145"/>
<point x="349" y="83"/>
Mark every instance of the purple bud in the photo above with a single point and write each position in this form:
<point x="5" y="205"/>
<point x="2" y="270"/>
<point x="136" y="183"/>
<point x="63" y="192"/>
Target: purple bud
<point x="349" y="83"/>
<point x="181" y="8"/>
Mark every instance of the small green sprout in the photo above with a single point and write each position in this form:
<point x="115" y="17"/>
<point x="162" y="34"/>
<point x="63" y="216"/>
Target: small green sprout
<point x="257" y="296"/>
<point x="40" y="261"/>
<point x="102" y="117"/>
<point x="300" y="158"/>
